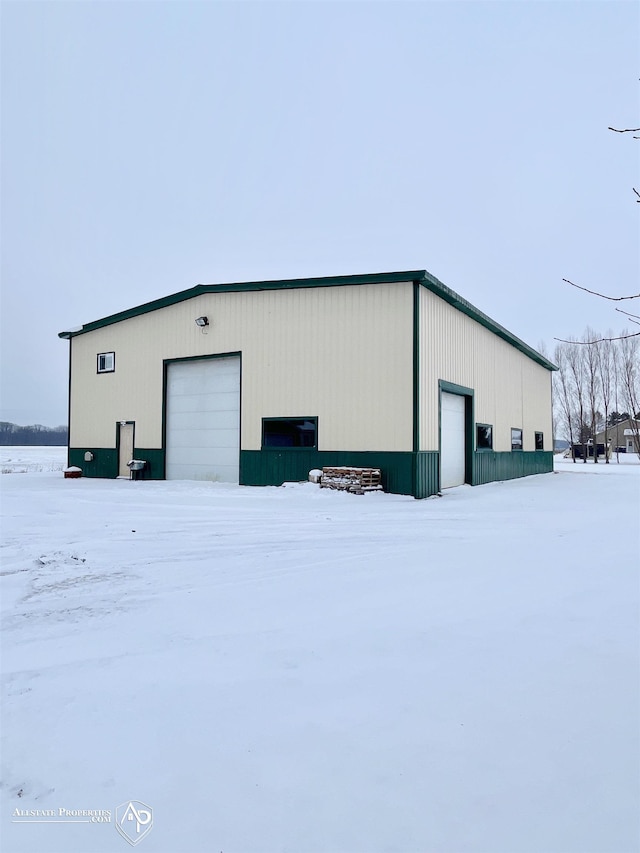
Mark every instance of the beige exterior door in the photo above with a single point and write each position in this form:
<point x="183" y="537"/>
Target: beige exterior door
<point x="125" y="454"/>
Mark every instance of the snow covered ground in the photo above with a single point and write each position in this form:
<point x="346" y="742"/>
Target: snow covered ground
<point x="24" y="460"/>
<point x="289" y="669"/>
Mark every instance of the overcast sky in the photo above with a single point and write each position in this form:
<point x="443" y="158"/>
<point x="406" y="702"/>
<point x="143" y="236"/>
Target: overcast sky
<point x="148" y="147"/>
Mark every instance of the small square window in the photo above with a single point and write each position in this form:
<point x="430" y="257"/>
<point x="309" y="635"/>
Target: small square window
<point x="539" y="441"/>
<point x="484" y="437"/>
<point x="516" y="439"/>
<point x="289" y="432"/>
<point x="106" y="362"/>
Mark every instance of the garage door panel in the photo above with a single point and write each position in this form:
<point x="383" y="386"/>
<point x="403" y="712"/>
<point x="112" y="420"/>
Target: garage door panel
<point x="184" y="421"/>
<point x="203" y="420"/>
<point x="223" y="402"/>
<point x="197" y="440"/>
<point x="209" y="472"/>
<point x="194" y="456"/>
<point x="187" y="377"/>
<point x="225" y="384"/>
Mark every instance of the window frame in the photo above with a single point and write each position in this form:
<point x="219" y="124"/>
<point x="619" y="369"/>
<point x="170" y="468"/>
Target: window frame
<point x="535" y="440"/>
<point x="288" y="448"/>
<point x="111" y="369"/>
<point x="521" y="448"/>
<point x="484" y="449"/>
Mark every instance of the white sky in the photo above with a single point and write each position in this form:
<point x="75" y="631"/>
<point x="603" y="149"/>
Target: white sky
<point x="148" y="147"/>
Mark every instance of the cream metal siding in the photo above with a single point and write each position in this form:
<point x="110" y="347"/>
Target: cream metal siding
<point x="343" y="354"/>
<point x="511" y="390"/>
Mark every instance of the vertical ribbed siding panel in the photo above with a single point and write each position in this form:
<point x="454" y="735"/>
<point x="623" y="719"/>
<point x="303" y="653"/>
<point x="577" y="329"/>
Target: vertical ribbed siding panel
<point x="427" y="474"/>
<point x="510" y="389"/>
<point x="489" y="466"/>
<point x="273" y="467"/>
<point x="343" y="354"/>
<point x="333" y="353"/>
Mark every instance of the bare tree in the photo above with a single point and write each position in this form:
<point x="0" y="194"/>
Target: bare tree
<point x="633" y="317"/>
<point x="575" y="362"/>
<point x="563" y="395"/>
<point x="592" y="384"/>
<point x="596" y="373"/>
<point x="616" y="385"/>
<point x="630" y="384"/>
<point x="604" y="295"/>
<point x="605" y="355"/>
<point x="628" y="130"/>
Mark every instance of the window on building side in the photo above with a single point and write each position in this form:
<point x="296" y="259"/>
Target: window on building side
<point x="106" y="362"/>
<point x="289" y="432"/>
<point x="516" y="439"/>
<point x="484" y="437"/>
<point x="539" y="441"/>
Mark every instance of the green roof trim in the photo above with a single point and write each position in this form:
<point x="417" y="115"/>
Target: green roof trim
<point x="285" y="284"/>
<point x="421" y="276"/>
<point x="435" y="286"/>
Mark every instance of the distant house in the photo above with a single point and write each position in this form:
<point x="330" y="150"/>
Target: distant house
<point x="625" y="435"/>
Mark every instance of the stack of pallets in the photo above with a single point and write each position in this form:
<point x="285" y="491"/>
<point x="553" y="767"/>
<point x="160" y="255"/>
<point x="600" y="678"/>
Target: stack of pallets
<point x="354" y="480"/>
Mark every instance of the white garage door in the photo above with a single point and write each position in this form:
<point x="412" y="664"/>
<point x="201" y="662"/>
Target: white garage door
<point x="452" y="440"/>
<point x="203" y="420"/>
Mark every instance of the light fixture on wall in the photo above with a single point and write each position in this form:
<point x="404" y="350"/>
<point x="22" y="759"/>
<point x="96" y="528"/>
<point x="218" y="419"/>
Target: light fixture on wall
<point x="202" y="321"/>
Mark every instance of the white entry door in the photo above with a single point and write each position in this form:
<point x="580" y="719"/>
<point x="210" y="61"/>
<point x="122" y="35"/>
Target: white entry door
<point x="125" y="448"/>
<point x="203" y="420"/>
<point x="452" y="440"/>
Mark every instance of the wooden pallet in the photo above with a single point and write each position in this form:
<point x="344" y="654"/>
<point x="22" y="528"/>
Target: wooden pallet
<point x="354" y="480"/>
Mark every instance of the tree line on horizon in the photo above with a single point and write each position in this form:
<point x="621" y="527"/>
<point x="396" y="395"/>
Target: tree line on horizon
<point x="32" y="436"/>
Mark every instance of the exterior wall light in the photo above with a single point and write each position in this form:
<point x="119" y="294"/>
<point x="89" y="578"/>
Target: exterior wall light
<point x="202" y="321"/>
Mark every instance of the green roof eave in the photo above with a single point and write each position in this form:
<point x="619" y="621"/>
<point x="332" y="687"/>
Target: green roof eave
<point x="422" y="276"/>
<point x="285" y="284"/>
<point x="435" y="286"/>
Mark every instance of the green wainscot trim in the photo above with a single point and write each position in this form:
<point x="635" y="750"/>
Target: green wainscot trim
<point x="275" y="466"/>
<point x="489" y="465"/>
<point x="427" y="473"/>
<point x="105" y="462"/>
<point x="403" y="473"/>
<point x="155" y="458"/>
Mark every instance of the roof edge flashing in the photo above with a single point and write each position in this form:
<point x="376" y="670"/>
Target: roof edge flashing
<point x="240" y="287"/>
<point x="431" y="283"/>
